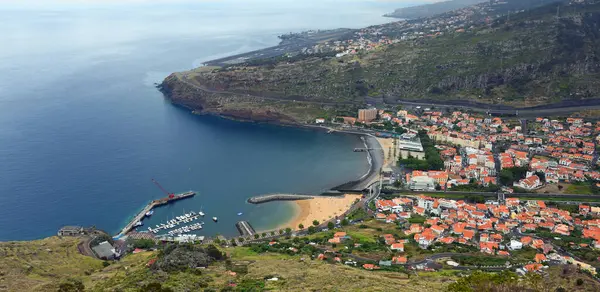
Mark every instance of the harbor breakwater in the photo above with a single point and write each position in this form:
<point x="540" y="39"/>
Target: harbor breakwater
<point x="278" y="197"/>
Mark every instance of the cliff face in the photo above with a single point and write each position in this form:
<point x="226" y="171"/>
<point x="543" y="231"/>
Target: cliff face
<point x="532" y="59"/>
<point x="193" y="95"/>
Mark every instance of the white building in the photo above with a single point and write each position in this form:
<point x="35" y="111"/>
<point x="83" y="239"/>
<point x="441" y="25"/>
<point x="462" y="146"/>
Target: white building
<point x="425" y="204"/>
<point x="515" y="245"/>
<point x="410" y="146"/>
<point x="421" y="183"/>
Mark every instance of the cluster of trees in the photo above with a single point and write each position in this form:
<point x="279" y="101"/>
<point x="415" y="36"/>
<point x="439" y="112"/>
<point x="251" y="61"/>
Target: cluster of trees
<point x="510" y="175"/>
<point x="475" y="187"/>
<point x="142" y="243"/>
<point x="183" y="257"/>
<point x="475" y="199"/>
<point x="433" y="160"/>
<point x="467" y="260"/>
<point x="417" y="219"/>
<point x="387" y="126"/>
<point x="358" y="214"/>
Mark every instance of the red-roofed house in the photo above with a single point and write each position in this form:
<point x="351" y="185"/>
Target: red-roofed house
<point x="540" y="258"/>
<point x="397" y="247"/>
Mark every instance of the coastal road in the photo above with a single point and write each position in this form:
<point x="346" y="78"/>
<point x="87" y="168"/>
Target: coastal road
<point x="281" y="49"/>
<point x="561" y="108"/>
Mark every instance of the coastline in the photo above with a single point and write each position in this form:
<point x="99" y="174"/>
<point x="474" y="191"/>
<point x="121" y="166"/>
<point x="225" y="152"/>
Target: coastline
<point x="321" y="209"/>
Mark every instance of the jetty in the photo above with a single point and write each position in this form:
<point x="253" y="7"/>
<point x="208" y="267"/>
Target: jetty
<point x="153" y="204"/>
<point x="245" y="228"/>
<point x="278" y="197"/>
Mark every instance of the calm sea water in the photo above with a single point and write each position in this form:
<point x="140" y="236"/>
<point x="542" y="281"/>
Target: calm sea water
<point x="83" y="130"/>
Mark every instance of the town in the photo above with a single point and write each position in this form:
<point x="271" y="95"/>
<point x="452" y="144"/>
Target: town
<point x="477" y="152"/>
<point x="452" y="157"/>
<point x="454" y="22"/>
<point x="459" y="191"/>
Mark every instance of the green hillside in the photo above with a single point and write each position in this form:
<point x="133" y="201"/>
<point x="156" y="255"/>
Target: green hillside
<point x="531" y="58"/>
<point x="54" y="264"/>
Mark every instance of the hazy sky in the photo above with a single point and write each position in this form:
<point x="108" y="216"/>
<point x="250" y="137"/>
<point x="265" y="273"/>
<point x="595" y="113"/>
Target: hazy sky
<point x="84" y="3"/>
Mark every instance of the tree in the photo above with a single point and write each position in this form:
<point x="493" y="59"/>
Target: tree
<point x="300" y="226"/>
<point x="264" y="234"/>
<point x="316" y="222"/>
<point x="288" y="230"/>
<point x="72" y="285"/>
<point x="345" y="222"/>
<point x="143" y="243"/>
<point x="506" y="177"/>
<point x="256" y="236"/>
<point x="155" y="287"/>
<point x="312" y="229"/>
<point x="541" y="175"/>
<point x="330" y="225"/>
<point x="241" y="239"/>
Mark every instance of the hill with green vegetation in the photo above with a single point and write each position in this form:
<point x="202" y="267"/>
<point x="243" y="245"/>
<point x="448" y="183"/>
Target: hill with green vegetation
<point x="431" y="9"/>
<point x="531" y="58"/>
<point x="290" y="264"/>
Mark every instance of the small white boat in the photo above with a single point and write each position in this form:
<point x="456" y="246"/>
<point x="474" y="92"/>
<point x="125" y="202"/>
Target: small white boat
<point x="149" y="213"/>
<point x="215" y="219"/>
<point x="240" y="214"/>
<point x="201" y="213"/>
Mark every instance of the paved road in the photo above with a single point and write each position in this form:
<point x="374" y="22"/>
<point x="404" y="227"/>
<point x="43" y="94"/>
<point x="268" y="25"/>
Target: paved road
<point x="564" y="107"/>
<point x="513" y="195"/>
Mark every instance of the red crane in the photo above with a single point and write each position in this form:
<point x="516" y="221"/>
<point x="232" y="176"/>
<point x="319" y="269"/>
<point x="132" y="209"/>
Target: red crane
<point x="170" y="195"/>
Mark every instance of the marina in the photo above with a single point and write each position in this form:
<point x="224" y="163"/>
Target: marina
<point x="137" y="219"/>
<point x="178" y="220"/>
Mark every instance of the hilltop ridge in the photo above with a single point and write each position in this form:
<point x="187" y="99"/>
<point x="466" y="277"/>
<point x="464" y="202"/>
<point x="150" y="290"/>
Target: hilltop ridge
<point x="427" y="10"/>
<point x="530" y="58"/>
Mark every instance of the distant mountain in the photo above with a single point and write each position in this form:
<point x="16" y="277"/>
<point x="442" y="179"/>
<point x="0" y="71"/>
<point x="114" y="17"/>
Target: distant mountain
<point x="428" y="10"/>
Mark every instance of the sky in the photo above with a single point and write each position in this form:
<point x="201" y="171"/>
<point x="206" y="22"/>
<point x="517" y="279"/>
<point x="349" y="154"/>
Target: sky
<point x="94" y="3"/>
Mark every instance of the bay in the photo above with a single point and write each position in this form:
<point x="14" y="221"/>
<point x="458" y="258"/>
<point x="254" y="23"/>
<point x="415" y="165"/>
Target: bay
<point x="83" y="130"/>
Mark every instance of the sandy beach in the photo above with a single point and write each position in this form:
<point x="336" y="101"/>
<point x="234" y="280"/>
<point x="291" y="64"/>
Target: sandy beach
<point x="319" y="208"/>
<point x="387" y="144"/>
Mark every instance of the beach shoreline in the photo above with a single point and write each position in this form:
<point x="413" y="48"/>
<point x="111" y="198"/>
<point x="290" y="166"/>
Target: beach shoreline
<point x="319" y="208"/>
<point x="305" y="211"/>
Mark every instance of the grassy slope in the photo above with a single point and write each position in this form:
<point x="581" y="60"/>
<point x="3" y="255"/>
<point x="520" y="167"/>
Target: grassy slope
<point x="42" y="265"/>
<point x="39" y="265"/>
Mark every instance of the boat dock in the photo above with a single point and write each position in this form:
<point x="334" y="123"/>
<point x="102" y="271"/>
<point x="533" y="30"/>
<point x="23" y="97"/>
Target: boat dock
<point x="245" y="228"/>
<point x="155" y="203"/>
<point x="278" y="197"/>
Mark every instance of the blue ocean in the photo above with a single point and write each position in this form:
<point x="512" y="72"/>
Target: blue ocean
<point x="83" y="129"/>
